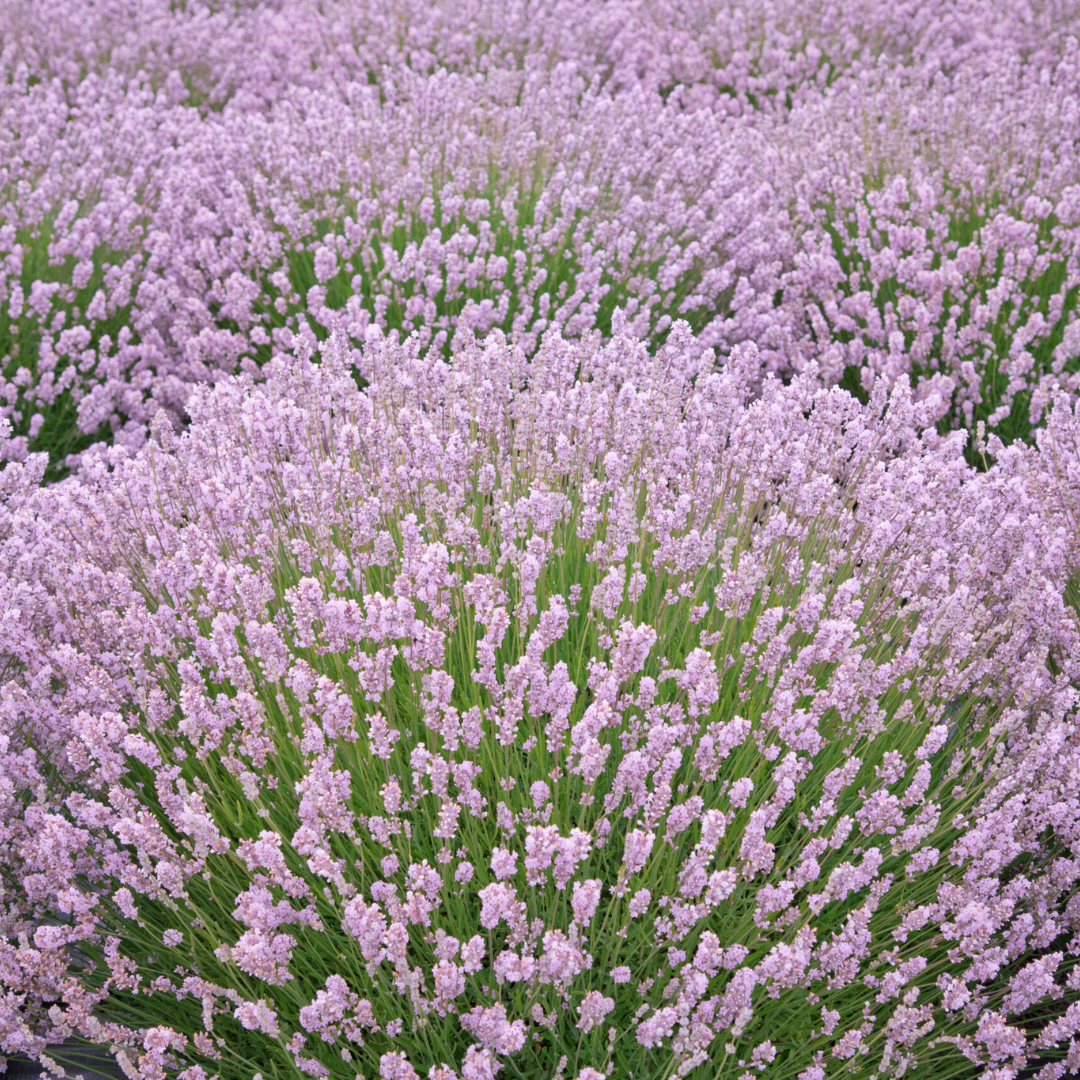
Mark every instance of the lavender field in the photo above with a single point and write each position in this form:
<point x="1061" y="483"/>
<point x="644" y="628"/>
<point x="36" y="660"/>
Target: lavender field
<point x="540" y="539"/>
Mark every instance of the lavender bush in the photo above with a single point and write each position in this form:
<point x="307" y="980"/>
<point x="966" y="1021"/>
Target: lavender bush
<point x="946" y="243"/>
<point x="583" y="715"/>
<point x="427" y="203"/>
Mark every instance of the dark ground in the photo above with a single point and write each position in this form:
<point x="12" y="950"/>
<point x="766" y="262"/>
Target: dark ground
<point x="92" y="1065"/>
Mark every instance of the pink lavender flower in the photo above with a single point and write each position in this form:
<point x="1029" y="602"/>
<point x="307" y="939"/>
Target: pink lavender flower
<point x="499" y="903"/>
<point x="592" y="1010"/>
<point x="264" y="956"/>
<point x="638" y="846"/>
<point x="503" y="863"/>
<point x="586" y="899"/>
<point x="395" y="1066"/>
<point x="258" y="1016"/>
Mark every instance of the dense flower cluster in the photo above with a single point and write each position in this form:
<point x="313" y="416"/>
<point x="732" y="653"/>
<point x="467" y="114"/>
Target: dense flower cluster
<point x="943" y="232"/>
<point x="598" y="712"/>
<point x="882" y="189"/>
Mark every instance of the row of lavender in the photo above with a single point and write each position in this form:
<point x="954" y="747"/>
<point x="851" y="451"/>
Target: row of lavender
<point x="593" y="688"/>
<point x="878" y="190"/>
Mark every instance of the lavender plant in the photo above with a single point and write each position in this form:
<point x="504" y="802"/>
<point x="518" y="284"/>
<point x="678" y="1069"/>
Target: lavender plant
<point x="514" y="201"/>
<point x="592" y="714"/>
<point x="946" y="247"/>
<point x="600" y="690"/>
<point x="427" y="203"/>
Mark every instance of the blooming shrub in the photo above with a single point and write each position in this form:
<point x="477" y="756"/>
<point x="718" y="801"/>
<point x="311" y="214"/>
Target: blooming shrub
<point x="593" y="713"/>
<point x="946" y="243"/>
<point x="607" y="657"/>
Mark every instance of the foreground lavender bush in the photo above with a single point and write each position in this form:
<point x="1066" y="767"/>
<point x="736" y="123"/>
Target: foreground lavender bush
<point x="595" y="714"/>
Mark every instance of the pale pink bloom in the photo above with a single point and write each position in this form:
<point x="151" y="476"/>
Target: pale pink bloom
<point x="592" y="1010"/>
<point x="585" y="899"/>
<point x="396" y="1066"/>
<point x="503" y="863"/>
<point x="258" y="1016"/>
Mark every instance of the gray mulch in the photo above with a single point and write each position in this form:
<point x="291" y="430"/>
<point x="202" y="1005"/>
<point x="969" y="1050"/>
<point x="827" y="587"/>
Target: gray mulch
<point x="90" y="1063"/>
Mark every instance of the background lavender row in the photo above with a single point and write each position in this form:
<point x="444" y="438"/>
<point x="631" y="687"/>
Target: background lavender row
<point x="876" y="190"/>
